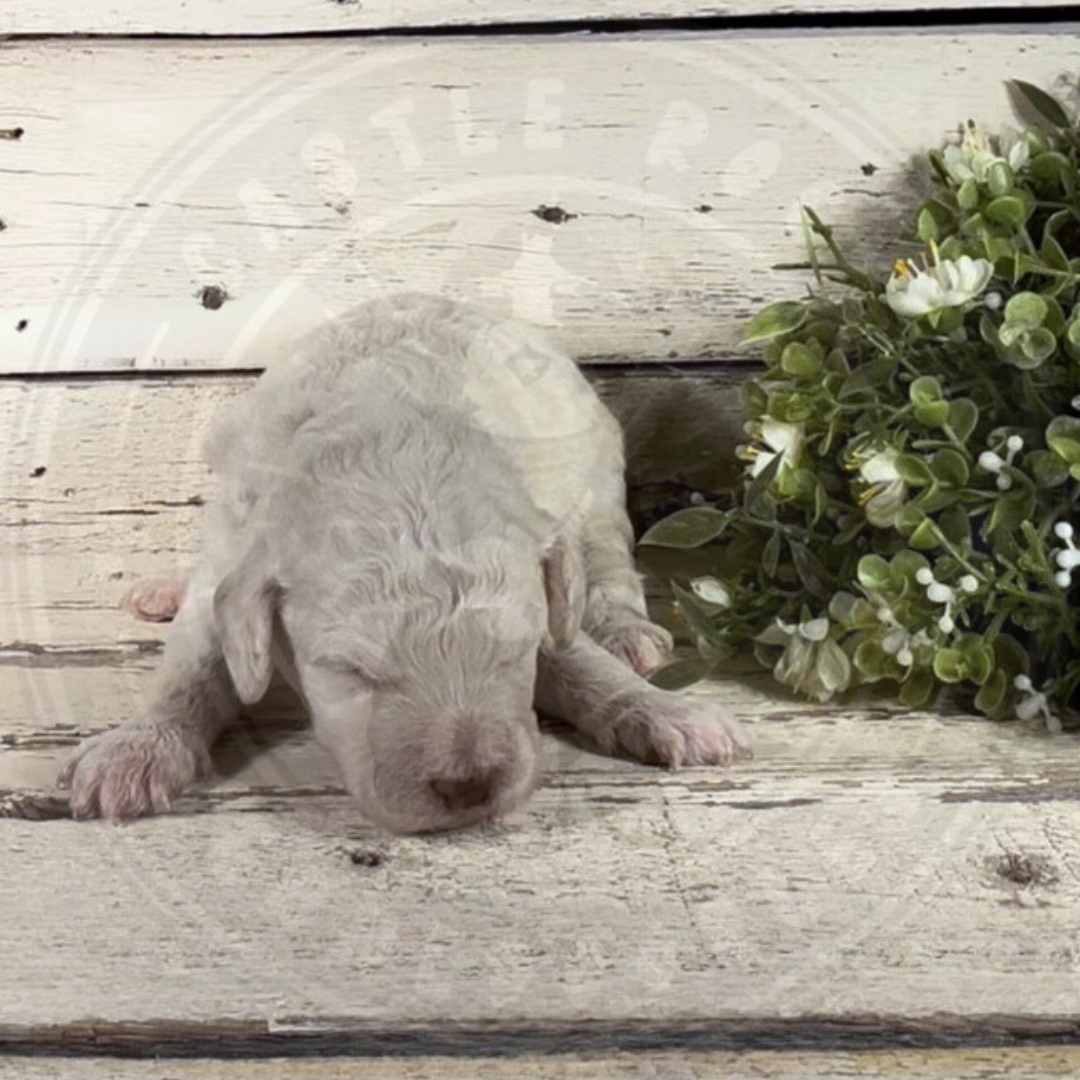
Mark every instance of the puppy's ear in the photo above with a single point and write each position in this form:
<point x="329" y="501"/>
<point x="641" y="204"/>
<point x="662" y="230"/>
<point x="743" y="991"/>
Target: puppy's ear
<point x="564" y="585"/>
<point x="244" y="606"/>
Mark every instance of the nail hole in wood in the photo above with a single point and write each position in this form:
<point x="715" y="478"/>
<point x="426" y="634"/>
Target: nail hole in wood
<point x="213" y="296"/>
<point x="556" y="215"/>
<point x="21" y="325"/>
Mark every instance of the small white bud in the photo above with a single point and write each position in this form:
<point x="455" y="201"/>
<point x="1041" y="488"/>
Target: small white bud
<point x="1075" y="403"/>
<point x="905" y="658"/>
<point x="990" y="461"/>
<point x="945" y="624"/>
<point x="1022" y="683"/>
<point x="1063" y="578"/>
<point x="969" y="583"/>
<point x="937" y="593"/>
<point x="1014" y="443"/>
<point x="924" y="575"/>
<point x="1063" y="530"/>
<point x="1004" y="483"/>
<point x="1069" y="559"/>
<point x="696" y="498"/>
<point x="992" y="300"/>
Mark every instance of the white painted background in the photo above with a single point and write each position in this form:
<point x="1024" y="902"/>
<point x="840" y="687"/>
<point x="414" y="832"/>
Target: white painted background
<point x="304" y="175"/>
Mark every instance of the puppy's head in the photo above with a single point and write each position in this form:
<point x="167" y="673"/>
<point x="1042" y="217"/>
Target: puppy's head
<point x="420" y="679"/>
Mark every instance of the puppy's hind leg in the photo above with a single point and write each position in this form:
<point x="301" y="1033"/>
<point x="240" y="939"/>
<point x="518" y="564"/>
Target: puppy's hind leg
<point x="623" y="714"/>
<point x="139" y="767"/>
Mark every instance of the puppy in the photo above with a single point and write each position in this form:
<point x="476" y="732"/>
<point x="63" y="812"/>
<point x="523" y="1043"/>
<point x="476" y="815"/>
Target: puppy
<point x="420" y="523"/>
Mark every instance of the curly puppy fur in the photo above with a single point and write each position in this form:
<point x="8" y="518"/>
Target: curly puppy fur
<point x="420" y="523"/>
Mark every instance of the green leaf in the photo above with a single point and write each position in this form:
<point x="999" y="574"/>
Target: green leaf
<point x="812" y="573"/>
<point x="913" y="470"/>
<point x="1038" y="346"/>
<point x="934" y="415"/>
<point x="1026" y="309"/>
<point x="926" y="226"/>
<point x="917" y="689"/>
<point x="1007" y="210"/>
<point x="1063" y="437"/>
<point x="992" y="693"/>
<point x="1010" y="511"/>
<point x="868" y="376"/>
<point x="955" y="523"/>
<point x="779" y="318"/>
<point x="949" y="666"/>
<point x="871" y="661"/>
<point x="925" y="390"/>
<point x="873" y="573"/>
<point x="999" y="178"/>
<point x="755" y="400"/>
<point x="1031" y="103"/>
<point x="925" y="536"/>
<point x="682" y="673"/>
<point x="950" y="467"/>
<point x="801" y="361"/>
<point x="1047" y="468"/>
<point x="963" y="416"/>
<point x="689" y="528"/>
<point x="770" y="555"/>
<point x="967" y="195"/>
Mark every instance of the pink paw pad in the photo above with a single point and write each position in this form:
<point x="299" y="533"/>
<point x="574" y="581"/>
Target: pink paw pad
<point x="155" y="599"/>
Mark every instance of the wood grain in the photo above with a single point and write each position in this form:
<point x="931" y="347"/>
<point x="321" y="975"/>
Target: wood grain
<point x="292" y="17"/>
<point x="633" y="191"/>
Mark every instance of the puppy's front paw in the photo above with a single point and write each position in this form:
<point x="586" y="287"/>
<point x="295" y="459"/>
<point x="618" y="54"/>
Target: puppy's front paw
<point x="640" y="644"/>
<point x="659" y="728"/>
<point x="131" y="771"/>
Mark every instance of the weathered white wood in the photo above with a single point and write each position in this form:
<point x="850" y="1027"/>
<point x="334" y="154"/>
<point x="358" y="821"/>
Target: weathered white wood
<point x="301" y="177"/>
<point x="824" y="880"/>
<point x="997" y="1063"/>
<point x="305" y="16"/>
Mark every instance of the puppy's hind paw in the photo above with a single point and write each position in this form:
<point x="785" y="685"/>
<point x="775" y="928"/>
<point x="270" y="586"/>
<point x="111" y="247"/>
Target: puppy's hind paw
<point x="155" y="599"/>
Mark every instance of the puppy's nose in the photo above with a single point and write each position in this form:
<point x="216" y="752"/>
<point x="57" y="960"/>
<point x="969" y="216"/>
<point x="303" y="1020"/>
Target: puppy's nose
<point x="466" y="792"/>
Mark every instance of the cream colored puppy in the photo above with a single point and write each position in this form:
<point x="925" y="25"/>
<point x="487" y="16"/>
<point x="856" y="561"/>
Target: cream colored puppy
<point x="420" y="523"/>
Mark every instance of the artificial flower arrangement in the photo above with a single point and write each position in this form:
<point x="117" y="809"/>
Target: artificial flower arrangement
<point x="913" y="469"/>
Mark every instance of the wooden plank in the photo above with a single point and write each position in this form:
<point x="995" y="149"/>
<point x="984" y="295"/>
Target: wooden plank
<point x="1046" y="1063"/>
<point x="291" y="17"/>
<point x="822" y="896"/>
<point x="631" y="190"/>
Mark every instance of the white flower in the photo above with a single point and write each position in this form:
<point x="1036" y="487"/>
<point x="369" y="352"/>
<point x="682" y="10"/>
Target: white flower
<point x="712" y="591"/>
<point x="884" y="498"/>
<point x="942" y="283"/>
<point x="782" y="439"/>
<point x="812" y="663"/>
